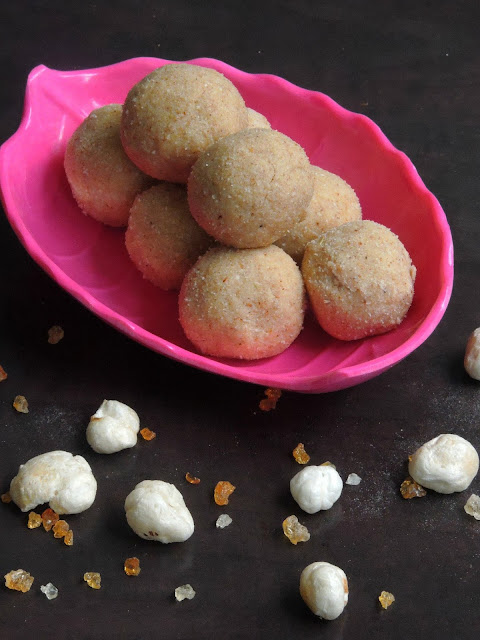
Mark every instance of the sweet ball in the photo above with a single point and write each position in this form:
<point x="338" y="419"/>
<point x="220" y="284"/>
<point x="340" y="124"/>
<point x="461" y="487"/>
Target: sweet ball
<point x="242" y="303"/>
<point x="162" y="238"/>
<point x="250" y="188"/>
<point x="359" y="278"/>
<point x="174" y="113"/>
<point x="104" y="181"/>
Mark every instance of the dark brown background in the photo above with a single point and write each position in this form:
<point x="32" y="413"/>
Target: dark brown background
<point x="417" y="66"/>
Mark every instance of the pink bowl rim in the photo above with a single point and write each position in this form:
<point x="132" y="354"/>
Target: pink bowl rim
<point x="337" y="377"/>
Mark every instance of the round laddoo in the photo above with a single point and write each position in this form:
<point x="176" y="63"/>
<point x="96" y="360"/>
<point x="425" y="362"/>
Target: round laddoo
<point x="104" y="181"/>
<point x="162" y="238"/>
<point x="257" y="120"/>
<point x="359" y="278"/>
<point x="333" y="203"/>
<point x="249" y="188"/>
<point x="242" y="303"/>
<point x="174" y="114"/>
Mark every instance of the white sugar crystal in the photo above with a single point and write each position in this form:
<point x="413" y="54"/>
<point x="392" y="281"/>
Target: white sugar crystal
<point x="472" y="506"/>
<point x="223" y="521"/>
<point x="353" y="479"/>
<point x="185" y="591"/>
<point x="49" y="590"/>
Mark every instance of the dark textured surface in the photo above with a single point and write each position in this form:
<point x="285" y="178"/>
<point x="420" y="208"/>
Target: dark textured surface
<point x="413" y="68"/>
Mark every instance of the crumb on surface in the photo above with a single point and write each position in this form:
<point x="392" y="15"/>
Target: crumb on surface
<point x="55" y="334"/>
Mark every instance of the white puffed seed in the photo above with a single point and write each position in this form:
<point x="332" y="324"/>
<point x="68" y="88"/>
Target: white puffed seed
<point x="156" y="510"/>
<point x="113" y="427"/>
<point x="57" y="477"/>
<point x="324" y="589"/>
<point x="445" y="464"/>
<point x="472" y="355"/>
<point x="316" y="488"/>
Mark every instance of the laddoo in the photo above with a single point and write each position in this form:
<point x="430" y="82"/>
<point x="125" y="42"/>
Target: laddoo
<point x="250" y="188"/>
<point x="359" y="278"/>
<point x="162" y="238"/>
<point x="104" y="181"/>
<point x="242" y="303"/>
<point x="257" y="120"/>
<point x="175" y="113"/>
<point x="333" y="203"/>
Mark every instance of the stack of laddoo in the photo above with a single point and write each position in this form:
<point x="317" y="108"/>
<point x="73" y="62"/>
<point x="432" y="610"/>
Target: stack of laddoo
<point x="231" y="213"/>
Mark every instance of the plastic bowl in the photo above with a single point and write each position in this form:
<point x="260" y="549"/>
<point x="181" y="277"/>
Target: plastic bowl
<point x="90" y="260"/>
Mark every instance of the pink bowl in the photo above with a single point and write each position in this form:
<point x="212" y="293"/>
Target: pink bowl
<point x="90" y="261"/>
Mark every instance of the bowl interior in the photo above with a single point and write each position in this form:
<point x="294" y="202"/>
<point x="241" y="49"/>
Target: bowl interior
<point x="90" y="260"/>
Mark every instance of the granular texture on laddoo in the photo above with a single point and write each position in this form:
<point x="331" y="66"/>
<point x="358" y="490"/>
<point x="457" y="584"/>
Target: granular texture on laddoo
<point x="333" y="203"/>
<point x="250" y="188"/>
<point x="257" y="120"/>
<point x="162" y="238"/>
<point x="359" y="278"/>
<point x="242" y="303"/>
<point x="175" y="113"/>
<point x="104" y="181"/>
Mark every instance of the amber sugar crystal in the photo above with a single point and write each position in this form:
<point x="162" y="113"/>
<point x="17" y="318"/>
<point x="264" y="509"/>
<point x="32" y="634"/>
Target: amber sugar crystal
<point x="147" y="434"/>
<point x="34" y="520"/>
<point x="386" y="599"/>
<point x="222" y="491"/>
<point x="191" y="479"/>
<point x="20" y="404"/>
<point x="3" y="374"/>
<point x="93" y="579"/>
<point x="131" y="566"/>
<point x="300" y="455"/>
<point x="411" y="489"/>
<point x="49" y="518"/>
<point x="60" y="529"/>
<point x="270" y="402"/>
<point x="68" y="538"/>
<point x="19" y="580"/>
<point x="295" y="531"/>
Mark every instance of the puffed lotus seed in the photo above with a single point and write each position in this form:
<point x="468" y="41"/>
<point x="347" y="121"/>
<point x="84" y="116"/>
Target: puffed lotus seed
<point x="58" y="477"/>
<point x="155" y="510"/>
<point x="316" y="488"/>
<point x="113" y="427"/>
<point x="324" y="589"/>
<point x="446" y="464"/>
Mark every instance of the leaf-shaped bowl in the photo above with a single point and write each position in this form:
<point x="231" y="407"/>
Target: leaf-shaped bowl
<point x="90" y="261"/>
